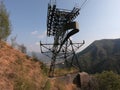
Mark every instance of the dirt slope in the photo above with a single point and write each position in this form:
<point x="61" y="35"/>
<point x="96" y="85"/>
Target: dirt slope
<point x="18" y="71"/>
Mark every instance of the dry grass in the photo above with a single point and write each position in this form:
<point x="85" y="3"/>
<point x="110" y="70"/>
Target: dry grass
<point x="20" y="72"/>
<point x="17" y="72"/>
<point x="65" y="71"/>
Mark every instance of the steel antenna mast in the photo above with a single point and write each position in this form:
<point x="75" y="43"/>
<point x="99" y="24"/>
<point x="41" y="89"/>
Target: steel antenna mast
<point x="61" y="26"/>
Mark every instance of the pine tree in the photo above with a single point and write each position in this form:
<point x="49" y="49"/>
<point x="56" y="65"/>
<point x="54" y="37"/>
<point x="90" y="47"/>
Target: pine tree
<point x="5" y="26"/>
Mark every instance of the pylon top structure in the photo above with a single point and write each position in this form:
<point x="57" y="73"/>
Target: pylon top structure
<point x="57" y="18"/>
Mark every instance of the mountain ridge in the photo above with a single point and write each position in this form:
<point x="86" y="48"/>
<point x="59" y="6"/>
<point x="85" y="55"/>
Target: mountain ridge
<point x="101" y="55"/>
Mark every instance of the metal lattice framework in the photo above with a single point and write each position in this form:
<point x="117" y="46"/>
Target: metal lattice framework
<point x="61" y="26"/>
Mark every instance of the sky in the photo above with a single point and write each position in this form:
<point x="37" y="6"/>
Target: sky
<point x="98" y="19"/>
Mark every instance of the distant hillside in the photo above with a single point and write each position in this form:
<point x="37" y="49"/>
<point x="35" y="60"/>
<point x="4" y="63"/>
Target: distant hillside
<point x="101" y="55"/>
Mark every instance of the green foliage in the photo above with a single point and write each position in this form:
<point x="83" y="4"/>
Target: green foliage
<point x="101" y="55"/>
<point x="47" y="85"/>
<point x="23" y="48"/>
<point x="23" y="84"/>
<point x="5" y="27"/>
<point x="44" y="68"/>
<point x="108" y="81"/>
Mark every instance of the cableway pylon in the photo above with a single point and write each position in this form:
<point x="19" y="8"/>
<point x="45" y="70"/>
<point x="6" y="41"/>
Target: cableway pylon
<point x="61" y="26"/>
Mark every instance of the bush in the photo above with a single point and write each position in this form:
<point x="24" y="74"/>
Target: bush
<point x="108" y="81"/>
<point x="44" y="68"/>
<point x="5" y="26"/>
<point x="47" y="85"/>
<point x="23" y="84"/>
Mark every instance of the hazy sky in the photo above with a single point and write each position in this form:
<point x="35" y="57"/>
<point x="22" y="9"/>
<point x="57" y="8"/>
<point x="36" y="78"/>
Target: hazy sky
<point x="98" y="19"/>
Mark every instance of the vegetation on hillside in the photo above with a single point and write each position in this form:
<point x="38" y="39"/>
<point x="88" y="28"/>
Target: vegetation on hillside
<point x="5" y="26"/>
<point x="101" y="55"/>
<point x="107" y="81"/>
<point x="19" y="71"/>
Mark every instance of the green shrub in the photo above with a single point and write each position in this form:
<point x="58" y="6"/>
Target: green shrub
<point x="108" y="81"/>
<point x="47" y="85"/>
<point x="5" y="25"/>
<point x="44" y="68"/>
<point x="23" y="84"/>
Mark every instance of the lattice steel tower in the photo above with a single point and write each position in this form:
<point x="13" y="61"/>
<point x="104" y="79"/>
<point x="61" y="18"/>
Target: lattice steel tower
<point x="61" y="26"/>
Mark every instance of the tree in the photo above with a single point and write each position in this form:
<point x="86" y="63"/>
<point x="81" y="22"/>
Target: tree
<point x="5" y="26"/>
<point x="22" y="48"/>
